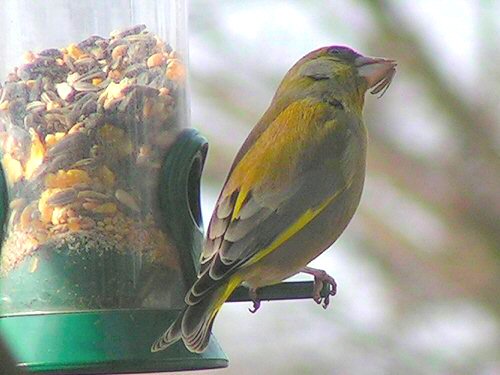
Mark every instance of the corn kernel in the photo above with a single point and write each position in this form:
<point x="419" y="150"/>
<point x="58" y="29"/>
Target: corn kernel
<point x="74" y="51"/>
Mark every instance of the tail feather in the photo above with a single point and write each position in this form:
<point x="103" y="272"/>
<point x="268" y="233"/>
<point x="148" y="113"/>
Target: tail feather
<point x="194" y="323"/>
<point x="171" y="335"/>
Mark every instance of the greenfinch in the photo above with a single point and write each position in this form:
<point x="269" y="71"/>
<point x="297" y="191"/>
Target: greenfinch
<point x="291" y="190"/>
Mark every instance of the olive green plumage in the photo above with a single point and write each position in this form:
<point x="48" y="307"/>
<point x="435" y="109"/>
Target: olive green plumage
<point x="293" y="186"/>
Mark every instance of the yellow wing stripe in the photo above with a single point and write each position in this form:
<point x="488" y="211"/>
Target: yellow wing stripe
<point x="301" y="222"/>
<point x="233" y="283"/>
<point x="238" y="204"/>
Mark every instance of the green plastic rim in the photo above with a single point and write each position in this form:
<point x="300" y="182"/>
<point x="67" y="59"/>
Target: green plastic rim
<point x="101" y="342"/>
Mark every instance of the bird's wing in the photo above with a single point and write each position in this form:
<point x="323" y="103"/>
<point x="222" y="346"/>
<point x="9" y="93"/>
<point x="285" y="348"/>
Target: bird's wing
<point x="280" y="184"/>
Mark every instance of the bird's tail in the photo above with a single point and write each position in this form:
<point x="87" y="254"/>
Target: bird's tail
<point x="194" y="323"/>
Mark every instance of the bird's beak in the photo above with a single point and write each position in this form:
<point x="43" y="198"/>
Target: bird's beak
<point x="378" y="72"/>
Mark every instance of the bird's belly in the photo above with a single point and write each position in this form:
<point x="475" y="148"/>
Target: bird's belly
<point x="287" y="260"/>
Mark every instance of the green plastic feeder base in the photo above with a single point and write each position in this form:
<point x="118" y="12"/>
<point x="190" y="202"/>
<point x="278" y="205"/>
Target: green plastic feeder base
<point x="69" y="343"/>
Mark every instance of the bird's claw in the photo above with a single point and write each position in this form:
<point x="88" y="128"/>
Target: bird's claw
<point x="320" y="278"/>
<point x="255" y="300"/>
<point x="256" y="306"/>
<point x="319" y="281"/>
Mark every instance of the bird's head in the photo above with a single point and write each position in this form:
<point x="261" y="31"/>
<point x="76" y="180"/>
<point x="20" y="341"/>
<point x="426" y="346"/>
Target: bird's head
<point x="337" y="72"/>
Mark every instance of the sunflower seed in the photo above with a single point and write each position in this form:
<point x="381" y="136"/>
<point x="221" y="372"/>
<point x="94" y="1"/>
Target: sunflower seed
<point x="93" y="195"/>
<point x="128" y="200"/>
<point x="90" y="41"/>
<point x="62" y="197"/>
<point x="78" y="143"/>
<point x="84" y="163"/>
<point x="51" y="52"/>
<point x="85" y="86"/>
<point x="134" y="70"/>
<point x="118" y="34"/>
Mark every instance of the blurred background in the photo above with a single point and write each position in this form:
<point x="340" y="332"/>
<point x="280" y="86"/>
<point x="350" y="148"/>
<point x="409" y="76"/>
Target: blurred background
<point x="418" y="268"/>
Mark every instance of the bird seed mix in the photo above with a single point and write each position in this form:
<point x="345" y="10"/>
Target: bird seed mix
<point x="83" y="132"/>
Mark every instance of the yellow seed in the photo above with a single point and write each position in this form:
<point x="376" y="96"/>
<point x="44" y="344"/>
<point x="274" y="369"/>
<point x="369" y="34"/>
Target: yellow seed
<point x="59" y="215"/>
<point x="4" y="105"/>
<point x="175" y="70"/>
<point x="29" y="56"/>
<point x="96" y="81"/>
<point x="65" y="179"/>
<point x="13" y="169"/>
<point x="52" y="139"/>
<point x="53" y="105"/>
<point x="44" y="208"/>
<point x="115" y="89"/>
<point x="164" y="91"/>
<point x="46" y="214"/>
<point x="74" y="51"/>
<point x="73" y="226"/>
<point x="156" y="60"/>
<point x="37" y="153"/>
<point x="119" y="51"/>
<point x="75" y="128"/>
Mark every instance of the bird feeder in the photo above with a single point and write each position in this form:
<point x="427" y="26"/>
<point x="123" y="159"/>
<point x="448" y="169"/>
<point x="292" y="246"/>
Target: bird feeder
<point x="99" y="190"/>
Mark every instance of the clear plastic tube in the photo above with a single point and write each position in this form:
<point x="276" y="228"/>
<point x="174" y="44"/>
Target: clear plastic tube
<point x="93" y="94"/>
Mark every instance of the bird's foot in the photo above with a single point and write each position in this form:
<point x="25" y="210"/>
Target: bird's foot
<point x="320" y="278"/>
<point x="256" y="302"/>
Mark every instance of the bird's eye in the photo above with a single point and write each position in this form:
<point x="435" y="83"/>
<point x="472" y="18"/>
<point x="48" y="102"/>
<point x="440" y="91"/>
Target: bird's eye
<point x="335" y="103"/>
<point x="318" y="76"/>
